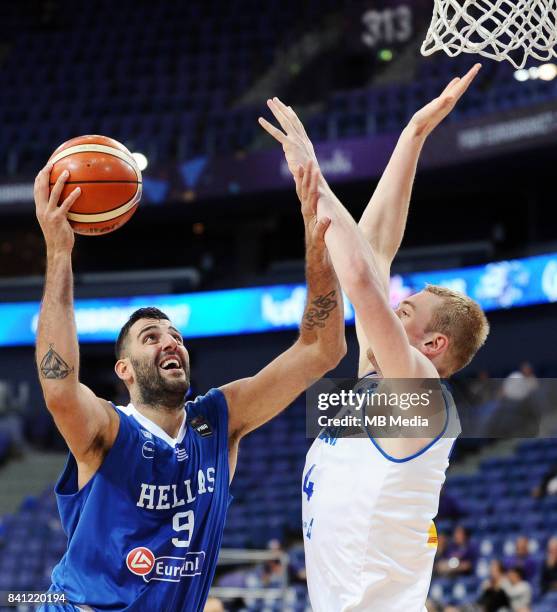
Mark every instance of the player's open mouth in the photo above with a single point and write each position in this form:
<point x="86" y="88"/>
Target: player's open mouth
<point x="170" y="363"/>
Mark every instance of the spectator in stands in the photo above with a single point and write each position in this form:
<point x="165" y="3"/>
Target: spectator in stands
<point x="481" y="388"/>
<point x="520" y="384"/>
<point x="493" y="597"/>
<point x="522" y="559"/>
<point x="297" y="565"/>
<point x="548" y="579"/>
<point x="518" y="590"/>
<point x="460" y="556"/>
<point x="548" y="485"/>
<point x="273" y="574"/>
<point x="11" y="422"/>
<point x="441" y="554"/>
<point x="518" y="409"/>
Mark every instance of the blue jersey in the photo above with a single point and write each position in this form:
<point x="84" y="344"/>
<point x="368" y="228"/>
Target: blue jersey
<point x="144" y="533"/>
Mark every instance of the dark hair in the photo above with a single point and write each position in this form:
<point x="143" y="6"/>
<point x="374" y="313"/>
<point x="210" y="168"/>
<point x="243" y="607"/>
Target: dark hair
<point x="518" y="570"/>
<point x="142" y="313"/>
<point x="464" y="530"/>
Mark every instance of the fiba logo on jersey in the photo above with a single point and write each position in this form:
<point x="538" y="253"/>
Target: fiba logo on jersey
<point x="140" y="561"/>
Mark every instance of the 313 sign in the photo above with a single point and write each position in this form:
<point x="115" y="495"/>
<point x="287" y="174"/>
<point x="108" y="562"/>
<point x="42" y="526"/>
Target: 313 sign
<point x="387" y="26"/>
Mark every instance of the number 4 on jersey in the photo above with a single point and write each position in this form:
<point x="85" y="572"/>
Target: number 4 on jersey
<point x="308" y="485"/>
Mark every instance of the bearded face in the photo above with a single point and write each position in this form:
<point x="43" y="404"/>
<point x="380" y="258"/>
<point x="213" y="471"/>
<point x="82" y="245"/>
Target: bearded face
<point x="159" y="375"/>
<point x="158" y="386"/>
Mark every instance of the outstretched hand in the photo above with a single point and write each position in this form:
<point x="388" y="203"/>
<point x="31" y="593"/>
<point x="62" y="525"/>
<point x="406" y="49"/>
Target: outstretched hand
<point x="295" y="142"/>
<point x="431" y="115"/>
<point x="53" y="216"/>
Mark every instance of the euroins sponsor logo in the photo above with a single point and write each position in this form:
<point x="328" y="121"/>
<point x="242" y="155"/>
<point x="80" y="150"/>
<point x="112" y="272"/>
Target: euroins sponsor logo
<point x="142" y="562"/>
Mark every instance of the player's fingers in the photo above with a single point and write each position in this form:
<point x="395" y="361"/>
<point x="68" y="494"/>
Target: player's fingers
<point x="321" y="228"/>
<point x="280" y="115"/>
<point x="466" y="80"/>
<point x="308" y="172"/>
<point x="40" y="188"/>
<point x="57" y="189"/>
<point x="292" y="117"/>
<point x="297" y="124"/>
<point x="298" y="178"/>
<point x="314" y="190"/>
<point x="68" y="202"/>
<point x="272" y="130"/>
<point x="296" y="121"/>
<point x="447" y="101"/>
<point x="450" y="85"/>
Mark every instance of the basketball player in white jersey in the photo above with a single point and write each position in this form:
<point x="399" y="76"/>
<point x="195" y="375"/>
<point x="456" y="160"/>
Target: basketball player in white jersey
<point x="369" y="502"/>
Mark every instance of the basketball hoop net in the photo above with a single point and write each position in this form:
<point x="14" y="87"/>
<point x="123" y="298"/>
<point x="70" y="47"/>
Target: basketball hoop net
<point x="509" y="30"/>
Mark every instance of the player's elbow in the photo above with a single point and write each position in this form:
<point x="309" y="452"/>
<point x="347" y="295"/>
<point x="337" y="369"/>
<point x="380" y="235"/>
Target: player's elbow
<point x="338" y="354"/>
<point x="359" y="279"/>
<point x="329" y="355"/>
<point x="59" y="398"/>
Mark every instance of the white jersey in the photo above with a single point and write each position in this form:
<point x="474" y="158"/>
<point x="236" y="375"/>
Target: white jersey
<point x="369" y="535"/>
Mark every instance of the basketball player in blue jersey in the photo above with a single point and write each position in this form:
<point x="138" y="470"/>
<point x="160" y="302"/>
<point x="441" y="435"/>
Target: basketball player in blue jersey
<point x="145" y="490"/>
<point x="369" y="502"/>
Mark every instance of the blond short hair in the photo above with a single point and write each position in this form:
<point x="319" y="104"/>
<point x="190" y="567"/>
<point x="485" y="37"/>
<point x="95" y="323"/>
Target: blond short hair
<point x="464" y="323"/>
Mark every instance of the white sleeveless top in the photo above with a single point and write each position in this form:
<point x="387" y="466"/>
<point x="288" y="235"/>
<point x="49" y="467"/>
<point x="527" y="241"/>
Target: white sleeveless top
<point x="369" y="536"/>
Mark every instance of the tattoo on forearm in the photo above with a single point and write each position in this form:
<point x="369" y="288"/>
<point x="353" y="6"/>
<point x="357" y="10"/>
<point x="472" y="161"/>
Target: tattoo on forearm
<point x="53" y="366"/>
<point x="320" y="310"/>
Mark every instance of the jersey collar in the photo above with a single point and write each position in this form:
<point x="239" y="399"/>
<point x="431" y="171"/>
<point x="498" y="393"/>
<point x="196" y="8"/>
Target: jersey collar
<point x="154" y="428"/>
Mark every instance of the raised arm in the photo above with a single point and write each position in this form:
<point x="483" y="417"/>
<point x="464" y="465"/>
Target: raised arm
<point x="86" y="422"/>
<point x="384" y="219"/>
<point x="320" y="346"/>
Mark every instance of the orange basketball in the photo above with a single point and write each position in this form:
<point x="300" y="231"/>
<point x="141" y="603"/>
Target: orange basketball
<point x="109" y="178"/>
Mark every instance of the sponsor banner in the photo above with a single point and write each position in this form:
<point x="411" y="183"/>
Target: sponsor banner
<point x="492" y="135"/>
<point x="362" y="158"/>
<point x="503" y="284"/>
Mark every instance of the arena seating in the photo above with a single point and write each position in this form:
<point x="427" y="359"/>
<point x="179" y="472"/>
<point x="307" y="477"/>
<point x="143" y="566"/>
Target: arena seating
<point x="500" y="507"/>
<point x="170" y="75"/>
<point x="151" y="75"/>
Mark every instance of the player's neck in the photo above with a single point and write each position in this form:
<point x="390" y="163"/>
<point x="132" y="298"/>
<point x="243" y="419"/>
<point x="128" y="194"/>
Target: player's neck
<point x="169" y="420"/>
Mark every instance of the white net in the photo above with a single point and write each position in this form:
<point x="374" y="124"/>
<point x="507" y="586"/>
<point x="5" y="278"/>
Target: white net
<point x="498" y="29"/>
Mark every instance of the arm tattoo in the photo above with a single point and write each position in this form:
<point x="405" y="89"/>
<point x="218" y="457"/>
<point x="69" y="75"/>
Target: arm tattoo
<point x="53" y="366"/>
<point x="320" y="310"/>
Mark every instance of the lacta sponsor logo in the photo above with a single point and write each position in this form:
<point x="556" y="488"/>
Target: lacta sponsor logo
<point x="338" y="164"/>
